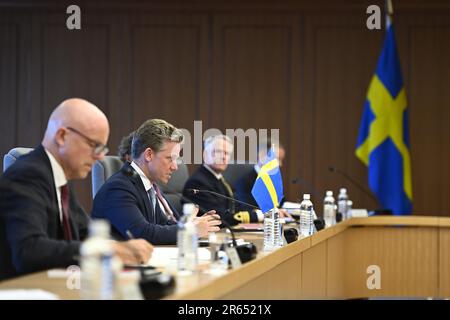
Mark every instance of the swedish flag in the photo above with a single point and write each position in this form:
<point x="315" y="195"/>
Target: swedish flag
<point x="268" y="187"/>
<point x="383" y="142"/>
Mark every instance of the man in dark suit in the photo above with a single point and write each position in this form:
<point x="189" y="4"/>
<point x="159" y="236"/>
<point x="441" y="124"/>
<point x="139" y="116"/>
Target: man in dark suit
<point x="41" y="222"/>
<point x="131" y="199"/>
<point x="243" y="186"/>
<point x="216" y="156"/>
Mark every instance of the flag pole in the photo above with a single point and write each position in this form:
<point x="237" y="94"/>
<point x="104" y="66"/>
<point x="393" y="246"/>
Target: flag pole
<point x="389" y="13"/>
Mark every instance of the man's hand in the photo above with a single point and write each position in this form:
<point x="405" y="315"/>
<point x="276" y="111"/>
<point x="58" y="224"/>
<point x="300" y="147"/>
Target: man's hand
<point x="284" y="214"/>
<point x="207" y="223"/>
<point x="136" y="251"/>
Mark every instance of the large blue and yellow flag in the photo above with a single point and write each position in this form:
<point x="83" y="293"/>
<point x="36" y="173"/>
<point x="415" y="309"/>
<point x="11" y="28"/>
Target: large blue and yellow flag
<point x="383" y="142"/>
<point x="268" y="187"/>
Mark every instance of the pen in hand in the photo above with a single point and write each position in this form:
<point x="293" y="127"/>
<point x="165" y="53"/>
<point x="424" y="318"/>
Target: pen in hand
<point x="135" y="253"/>
<point x="129" y="235"/>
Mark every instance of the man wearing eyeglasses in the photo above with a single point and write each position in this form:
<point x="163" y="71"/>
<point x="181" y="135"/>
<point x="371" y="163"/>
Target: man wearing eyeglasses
<point x="131" y="199"/>
<point x="41" y="222"/>
<point x="216" y="157"/>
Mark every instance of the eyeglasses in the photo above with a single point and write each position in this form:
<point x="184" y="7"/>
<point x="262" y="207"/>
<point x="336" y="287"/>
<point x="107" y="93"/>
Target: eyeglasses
<point x="98" y="148"/>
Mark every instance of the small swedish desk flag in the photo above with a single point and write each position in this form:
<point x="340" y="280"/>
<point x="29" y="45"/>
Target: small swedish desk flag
<point x="383" y="142"/>
<point x="268" y="187"/>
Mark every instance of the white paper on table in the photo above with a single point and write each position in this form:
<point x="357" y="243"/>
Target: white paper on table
<point x="162" y="257"/>
<point x="27" y="294"/>
<point x="293" y="208"/>
<point x="291" y="205"/>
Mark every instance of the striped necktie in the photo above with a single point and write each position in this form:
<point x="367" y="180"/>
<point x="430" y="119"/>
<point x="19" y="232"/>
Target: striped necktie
<point x="163" y="201"/>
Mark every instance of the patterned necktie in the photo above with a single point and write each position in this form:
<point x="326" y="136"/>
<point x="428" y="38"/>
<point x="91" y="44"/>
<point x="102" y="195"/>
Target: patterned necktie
<point x="167" y="209"/>
<point x="65" y="211"/>
<point x="152" y="195"/>
<point x="230" y="192"/>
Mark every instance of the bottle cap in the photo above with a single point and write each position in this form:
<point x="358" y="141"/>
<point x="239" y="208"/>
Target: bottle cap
<point x="189" y="208"/>
<point x="99" y="228"/>
<point x="343" y="190"/>
<point x="329" y="193"/>
<point x="306" y="196"/>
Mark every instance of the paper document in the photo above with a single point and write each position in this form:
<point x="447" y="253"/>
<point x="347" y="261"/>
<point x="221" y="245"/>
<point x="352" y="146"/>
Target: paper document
<point x="163" y="257"/>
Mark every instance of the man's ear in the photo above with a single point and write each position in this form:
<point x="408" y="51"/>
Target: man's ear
<point x="60" y="137"/>
<point x="149" y="154"/>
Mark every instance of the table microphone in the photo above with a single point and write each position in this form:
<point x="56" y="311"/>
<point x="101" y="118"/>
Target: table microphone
<point x="362" y="189"/>
<point x="356" y="184"/>
<point x="245" y="251"/>
<point x="196" y="191"/>
<point x="291" y="234"/>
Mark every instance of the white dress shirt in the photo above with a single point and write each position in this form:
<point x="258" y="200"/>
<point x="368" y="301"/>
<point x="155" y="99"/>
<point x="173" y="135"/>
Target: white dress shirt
<point x="59" y="179"/>
<point x="147" y="185"/>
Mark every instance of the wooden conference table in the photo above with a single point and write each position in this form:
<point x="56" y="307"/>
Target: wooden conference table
<point x="411" y="256"/>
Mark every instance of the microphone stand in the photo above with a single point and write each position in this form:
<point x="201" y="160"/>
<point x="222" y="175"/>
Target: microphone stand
<point x="356" y="184"/>
<point x="195" y="191"/>
<point x="361" y="188"/>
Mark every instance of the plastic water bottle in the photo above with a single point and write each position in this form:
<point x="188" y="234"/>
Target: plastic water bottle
<point x="187" y="241"/>
<point x="307" y="227"/>
<point x="342" y="204"/>
<point x="272" y="230"/>
<point x="329" y="209"/>
<point x="349" y="208"/>
<point x="99" y="267"/>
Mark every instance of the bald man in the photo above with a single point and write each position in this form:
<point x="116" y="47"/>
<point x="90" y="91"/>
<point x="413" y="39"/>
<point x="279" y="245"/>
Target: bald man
<point x="41" y="222"/>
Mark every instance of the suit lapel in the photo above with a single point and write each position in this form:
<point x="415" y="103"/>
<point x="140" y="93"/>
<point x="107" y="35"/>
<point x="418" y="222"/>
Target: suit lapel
<point x="136" y="180"/>
<point x="57" y="230"/>
<point x="161" y="218"/>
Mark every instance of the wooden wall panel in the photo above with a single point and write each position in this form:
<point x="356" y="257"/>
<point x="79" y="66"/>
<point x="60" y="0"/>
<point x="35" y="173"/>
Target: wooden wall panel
<point x="283" y="282"/>
<point x="444" y="262"/>
<point x="68" y="64"/>
<point x="335" y="98"/>
<point x="430" y="113"/>
<point x="393" y="250"/>
<point x="335" y="266"/>
<point x="256" y="77"/>
<point x="303" y="67"/>
<point x="168" y="60"/>
<point x="9" y="38"/>
<point x="314" y="275"/>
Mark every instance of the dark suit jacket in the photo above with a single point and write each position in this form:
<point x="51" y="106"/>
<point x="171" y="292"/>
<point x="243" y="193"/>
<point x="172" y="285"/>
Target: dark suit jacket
<point x="203" y="179"/>
<point x="124" y="202"/>
<point x="243" y="189"/>
<point x="31" y="235"/>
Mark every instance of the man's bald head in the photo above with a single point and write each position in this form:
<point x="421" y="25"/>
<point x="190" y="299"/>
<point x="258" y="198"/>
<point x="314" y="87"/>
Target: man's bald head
<point x="74" y="129"/>
<point x="77" y="113"/>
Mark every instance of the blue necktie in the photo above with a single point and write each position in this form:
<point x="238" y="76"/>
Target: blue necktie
<point x="152" y="195"/>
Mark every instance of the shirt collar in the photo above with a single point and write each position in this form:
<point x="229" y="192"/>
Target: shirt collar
<point x="59" y="176"/>
<point x="145" y="180"/>
<point x="217" y="175"/>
